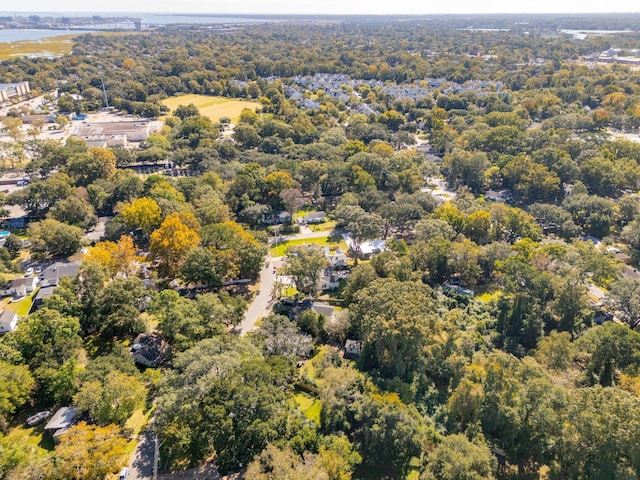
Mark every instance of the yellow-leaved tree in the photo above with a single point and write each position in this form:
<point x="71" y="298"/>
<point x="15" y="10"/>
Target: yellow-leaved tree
<point x="143" y="213"/>
<point x="115" y="257"/>
<point x="172" y="241"/>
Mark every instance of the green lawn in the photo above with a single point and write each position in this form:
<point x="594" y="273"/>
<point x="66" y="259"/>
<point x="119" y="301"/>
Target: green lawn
<point x="23" y="306"/>
<point x="309" y="406"/>
<point x="322" y="241"/>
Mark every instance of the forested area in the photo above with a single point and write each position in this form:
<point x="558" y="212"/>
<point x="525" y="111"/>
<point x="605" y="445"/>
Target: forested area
<point x="528" y="376"/>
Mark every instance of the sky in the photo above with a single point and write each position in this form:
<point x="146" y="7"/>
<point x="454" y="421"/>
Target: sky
<point x="334" y="7"/>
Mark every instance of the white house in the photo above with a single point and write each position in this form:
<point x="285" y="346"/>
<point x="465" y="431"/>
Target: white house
<point x="8" y="321"/>
<point x="20" y="287"/>
<point x="336" y="259"/>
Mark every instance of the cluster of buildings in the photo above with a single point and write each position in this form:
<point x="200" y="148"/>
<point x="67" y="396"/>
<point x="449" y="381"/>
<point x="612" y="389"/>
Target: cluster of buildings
<point x="13" y="90"/>
<point x="115" y="134"/>
<point x="341" y="87"/>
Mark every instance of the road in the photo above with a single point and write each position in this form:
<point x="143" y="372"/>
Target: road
<point x="261" y="305"/>
<point x="141" y="463"/>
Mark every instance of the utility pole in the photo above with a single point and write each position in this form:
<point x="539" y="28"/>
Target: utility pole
<point x="156" y="456"/>
<point x="104" y="90"/>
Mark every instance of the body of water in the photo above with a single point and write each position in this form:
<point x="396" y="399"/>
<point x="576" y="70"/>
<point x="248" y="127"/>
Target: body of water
<point x="16" y="35"/>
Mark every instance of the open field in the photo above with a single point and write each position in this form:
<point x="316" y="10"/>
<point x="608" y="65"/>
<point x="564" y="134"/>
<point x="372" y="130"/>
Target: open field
<point x="46" y="47"/>
<point x="213" y="107"/>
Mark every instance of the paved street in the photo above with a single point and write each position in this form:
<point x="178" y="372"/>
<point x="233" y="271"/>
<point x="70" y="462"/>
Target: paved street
<point x="141" y="463"/>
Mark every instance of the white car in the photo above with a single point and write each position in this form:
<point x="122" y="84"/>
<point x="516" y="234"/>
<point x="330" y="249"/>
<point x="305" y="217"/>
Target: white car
<point x="28" y="272"/>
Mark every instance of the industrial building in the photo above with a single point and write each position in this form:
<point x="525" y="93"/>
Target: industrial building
<point x="10" y="90"/>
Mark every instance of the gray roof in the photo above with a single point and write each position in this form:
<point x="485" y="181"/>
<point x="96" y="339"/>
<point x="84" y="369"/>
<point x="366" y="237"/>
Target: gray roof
<point x="313" y="215"/>
<point x="7" y="316"/>
<point x="323" y="309"/>
<point x="22" y="282"/>
<point x="60" y="270"/>
<point x="63" y="418"/>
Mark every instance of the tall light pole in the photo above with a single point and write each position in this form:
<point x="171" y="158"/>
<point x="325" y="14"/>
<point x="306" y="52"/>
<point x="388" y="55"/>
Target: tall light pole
<point x="104" y="90"/>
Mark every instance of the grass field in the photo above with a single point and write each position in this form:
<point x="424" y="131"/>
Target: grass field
<point x="52" y="46"/>
<point x="282" y="248"/>
<point x="213" y="107"/>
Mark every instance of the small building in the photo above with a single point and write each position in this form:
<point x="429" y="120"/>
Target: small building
<point x="149" y="350"/>
<point x="336" y="259"/>
<point x="20" y="287"/>
<point x="61" y="422"/>
<point x="324" y="309"/>
<point x="276" y="218"/>
<point x="503" y="196"/>
<point x="369" y="249"/>
<point x="352" y="349"/>
<point x="328" y="281"/>
<point x="8" y="321"/>
<point x="315" y="217"/>
<point x="44" y="118"/>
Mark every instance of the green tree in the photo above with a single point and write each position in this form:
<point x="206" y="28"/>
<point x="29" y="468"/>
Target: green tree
<point x="52" y="237"/>
<point x="112" y="400"/>
<point x="456" y="458"/>
<point x="16" y="384"/>
<point x="305" y="264"/>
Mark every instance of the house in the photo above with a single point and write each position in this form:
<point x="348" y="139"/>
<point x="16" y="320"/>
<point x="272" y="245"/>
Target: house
<point x="50" y="279"/>
<point x="336" y="259"/>
<point x="61" y="422"/>
<point x="315" y="217"/>
<point x="276" y="218"/>
<point x="324" y="309"/>
<point x="20" y="287"/>
<point x="352" y="349"/>
<point x="369" y="249"/>
<point x="8" y="321"/>
<point x="503" y="196"/>
<point x="10" y="90"/>
<point x="149" y="350"/>
<point x="329" y="280"/>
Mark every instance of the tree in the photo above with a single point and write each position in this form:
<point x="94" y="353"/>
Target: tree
<point x="143" y="213"/>
<point x="112" y="400"/>
<point x="292" y="199"/>
<point x="46" y="337"/>
<point x="281" y="336"/>
<point x="599" y="435"/>
<point x="466" y="168"/>
<point x="52" y="237"/>
<point x="203" y="266"/>
<point x="171" y="243"/>
<point x="16" y="384"/>
<point x="456" y="458"/>
<point x="625" y="301"/>
<point x="115" y="257"/>
<point x="275" y="463"/>
<point x="396" y="322"/>
<point x="362" y="226"/>
<point x="74" y="211"/>
<point x="240" y="254"/>
<point x="88" y="451"/>
<point x="305" y="264"/>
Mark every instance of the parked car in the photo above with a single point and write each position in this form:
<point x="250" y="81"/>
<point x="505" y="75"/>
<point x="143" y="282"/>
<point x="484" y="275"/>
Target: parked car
<point x="124" y="474"/>
<point x="37" y="418"/>
<point x="38" y="270"/>
<point x="28" y="272"/>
